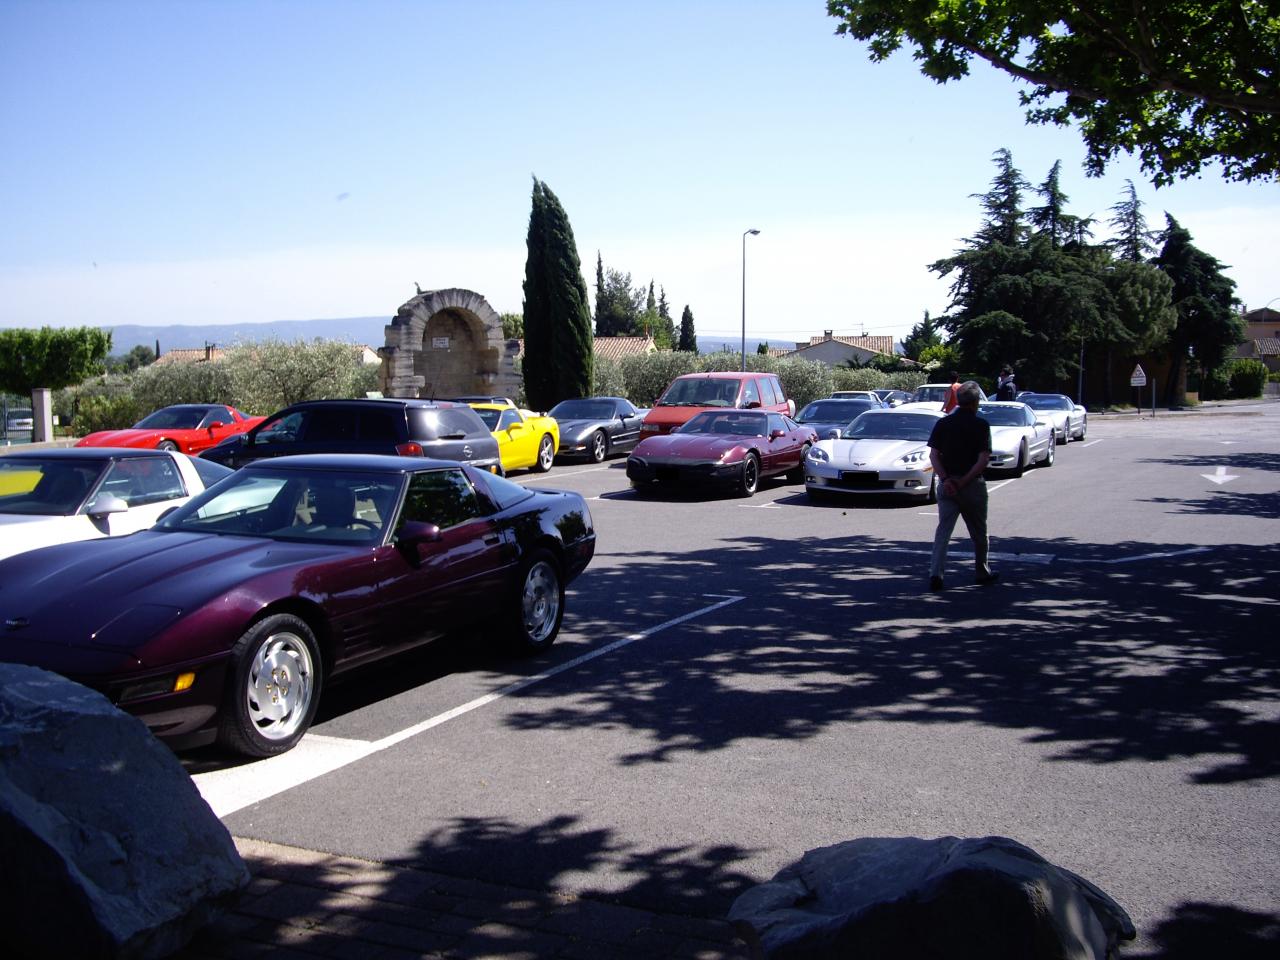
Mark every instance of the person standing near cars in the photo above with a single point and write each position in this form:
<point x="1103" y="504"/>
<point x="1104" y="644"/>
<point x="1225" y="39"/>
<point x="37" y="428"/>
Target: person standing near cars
<point x="950" y="401"/>
<point x="1006" y="389"/>
<point x="959" y="448"/>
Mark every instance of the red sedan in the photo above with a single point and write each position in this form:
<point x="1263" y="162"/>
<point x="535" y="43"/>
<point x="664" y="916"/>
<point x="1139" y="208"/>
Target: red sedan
<point x="189" y="427"/>
<point x="731" y="447"/>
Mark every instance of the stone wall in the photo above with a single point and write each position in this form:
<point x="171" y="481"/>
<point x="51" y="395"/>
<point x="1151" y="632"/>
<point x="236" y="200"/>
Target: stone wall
<point x="445" y="343"/>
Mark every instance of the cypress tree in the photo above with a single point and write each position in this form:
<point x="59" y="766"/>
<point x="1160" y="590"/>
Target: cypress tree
<point x="557" y="320"/>
<point x="688" y="338"/>
<point x="600" y="293"/>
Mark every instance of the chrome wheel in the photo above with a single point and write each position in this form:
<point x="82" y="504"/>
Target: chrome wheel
<point x="546" y="454"/>
<point x="599" y="446"/>
<point x="540" y="604"/>
<point x="1049" y="454"/>
<point x="167" y="445"/>
<point x="280" y="687"/>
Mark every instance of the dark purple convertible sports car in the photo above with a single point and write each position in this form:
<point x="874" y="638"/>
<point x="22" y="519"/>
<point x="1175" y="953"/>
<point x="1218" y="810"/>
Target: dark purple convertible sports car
<point x="224" y="620"/>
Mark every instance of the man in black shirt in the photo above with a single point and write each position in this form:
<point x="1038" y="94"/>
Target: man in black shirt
<point x="959" y="448"/>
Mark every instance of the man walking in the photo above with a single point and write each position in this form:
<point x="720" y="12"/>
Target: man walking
<point x="959" y="448"/>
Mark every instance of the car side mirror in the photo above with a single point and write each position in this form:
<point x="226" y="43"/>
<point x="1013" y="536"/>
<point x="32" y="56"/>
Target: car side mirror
<point x="751" y="405"/>
<point x="833" y="434"/>
<point x="415" y="536"/>
<point x="777" y="434"/>
<point x="105" y="504"/>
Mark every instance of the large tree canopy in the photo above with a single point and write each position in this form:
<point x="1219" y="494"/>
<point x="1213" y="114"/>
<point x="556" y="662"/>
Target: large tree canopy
<point x="1181" y="83"/>
<point x="51" y="357"/>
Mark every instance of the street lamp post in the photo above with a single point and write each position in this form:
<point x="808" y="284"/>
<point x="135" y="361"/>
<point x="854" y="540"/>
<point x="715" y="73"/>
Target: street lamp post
<point x="751" y="232"/>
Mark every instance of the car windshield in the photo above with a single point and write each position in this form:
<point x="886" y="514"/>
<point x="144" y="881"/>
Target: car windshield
<point x="1003" y="416"/>
<point x="1047" y="403"/>
<point x="325" y="506"/>
<point x="930" y="394"/>
<point x="890" y="426"/>
<point x="47" y="487"/>
<point x="173" y="418"/>
<point x="833" y="411"/>
<point x="583" y="410"/>
<point x="727" y="424"/>
<point x="489" y="416"/>
<point x="700" y="392"/>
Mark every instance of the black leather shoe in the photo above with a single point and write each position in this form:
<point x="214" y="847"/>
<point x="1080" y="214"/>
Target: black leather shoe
<point x="988" y="580"/>
<point x="935" y="584"/>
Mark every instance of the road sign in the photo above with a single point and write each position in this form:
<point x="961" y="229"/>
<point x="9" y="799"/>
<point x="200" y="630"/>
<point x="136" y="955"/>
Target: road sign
<point x="1139" y="377"/>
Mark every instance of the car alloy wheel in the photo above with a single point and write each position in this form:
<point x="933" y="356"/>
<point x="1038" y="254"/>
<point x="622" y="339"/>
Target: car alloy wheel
<point x="749" y="481"/>
<point x="546" y="454"/>
<point x="1021" y="468"/>
<point x="599" y="446"/>
<point x="274" y="687"/>
<point x="540" y="603"/>
<point x="1049" y="454"/>
<point x="167" y="445"/>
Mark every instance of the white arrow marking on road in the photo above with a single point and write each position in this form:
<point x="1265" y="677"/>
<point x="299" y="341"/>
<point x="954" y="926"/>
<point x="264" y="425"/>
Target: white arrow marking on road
<point x="1220" y="476"/>
<point x="1227" y="443"/>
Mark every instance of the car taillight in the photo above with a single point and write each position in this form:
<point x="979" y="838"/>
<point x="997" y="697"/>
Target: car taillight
<point x="409" y="449"/>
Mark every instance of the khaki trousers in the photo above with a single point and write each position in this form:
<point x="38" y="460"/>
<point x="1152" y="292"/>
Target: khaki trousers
<point x="969" y="502"/>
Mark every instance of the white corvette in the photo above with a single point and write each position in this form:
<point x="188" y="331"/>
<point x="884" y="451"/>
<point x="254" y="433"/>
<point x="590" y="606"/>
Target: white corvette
<point x="51" y="496"/>
<point x="1019" y="437"/>
<point x="881" y="452"/>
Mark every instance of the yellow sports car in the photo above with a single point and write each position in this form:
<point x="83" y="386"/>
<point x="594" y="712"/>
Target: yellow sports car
<point x="525" y="439"/>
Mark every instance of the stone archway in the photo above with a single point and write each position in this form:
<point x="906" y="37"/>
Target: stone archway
<point x="447" y="343"/>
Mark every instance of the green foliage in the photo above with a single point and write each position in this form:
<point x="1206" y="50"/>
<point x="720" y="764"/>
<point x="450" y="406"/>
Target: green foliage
<point x="647" y="375"/>
<point x="688" y="336"/>
<point x="1215" y="384"/>
<point x="762" y="347"/>
<point x="1208" y="327"/>
<point x="1247" y="378"/>
<point x="942" y="357"/>
<point x="559" y="347"/>
<point x="607" y="379"/>
<point x="96" y="412"/>
<point x="139" y="356"/>
<point x="619" y="307"/>
<point x="1182" y="83"/>
<point x="803" y="380"/>
<point x="512" y="326"/>
<point x="50" y="357"/>
<point x="265" y="376"/>
<point x="923" y="335"/>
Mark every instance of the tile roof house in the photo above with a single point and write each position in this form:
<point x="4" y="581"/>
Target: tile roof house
<point x="836" y="351"/>
<point x="208" y="354"/>
<point x="1261" y="338"/>
<point x="615" y="348"/>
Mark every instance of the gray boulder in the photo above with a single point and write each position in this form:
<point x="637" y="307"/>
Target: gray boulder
<point x="107" y="848"/>
<point x="906" y="898"/>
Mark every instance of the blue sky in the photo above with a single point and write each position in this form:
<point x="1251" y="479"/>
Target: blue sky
<point x="237" y="162"/>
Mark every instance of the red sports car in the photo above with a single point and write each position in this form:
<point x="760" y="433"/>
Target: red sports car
<point x="734" y="447"/>
<point x="189" y="427"/>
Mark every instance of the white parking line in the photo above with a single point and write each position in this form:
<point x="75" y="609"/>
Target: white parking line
<point x="1090" y="443"/>
<point x="235" y="788"/>
<point x="552" y="474"/>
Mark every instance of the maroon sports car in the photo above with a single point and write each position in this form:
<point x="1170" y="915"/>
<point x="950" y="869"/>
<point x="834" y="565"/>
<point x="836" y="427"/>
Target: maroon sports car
<point x="728" y="447"/>
<point x="224" y="621"/>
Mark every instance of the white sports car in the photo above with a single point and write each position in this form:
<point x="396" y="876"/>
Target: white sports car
<point x="882" y="451"/>
<point x="1070" y="420"/>
<point x="1019" y="439"/>
<point x="82" y="493"/>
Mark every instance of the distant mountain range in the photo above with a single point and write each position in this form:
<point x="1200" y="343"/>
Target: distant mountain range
<point x="359" y="330"/>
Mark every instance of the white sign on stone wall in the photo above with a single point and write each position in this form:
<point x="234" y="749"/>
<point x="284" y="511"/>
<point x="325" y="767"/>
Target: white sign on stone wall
<point x="439" y="343"/>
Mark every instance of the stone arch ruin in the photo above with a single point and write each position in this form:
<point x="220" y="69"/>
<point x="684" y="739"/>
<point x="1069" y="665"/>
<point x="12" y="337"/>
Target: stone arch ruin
<point x="447" y="343"/>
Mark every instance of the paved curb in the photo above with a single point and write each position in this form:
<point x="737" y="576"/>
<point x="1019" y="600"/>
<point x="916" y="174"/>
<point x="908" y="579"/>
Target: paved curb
<point x="306" y="903"/>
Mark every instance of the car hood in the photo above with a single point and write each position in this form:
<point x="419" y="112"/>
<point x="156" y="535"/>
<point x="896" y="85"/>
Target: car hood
<point x="822" y="428"/>
<point x="152" y="569"/>
<point x="20" y="532"/>
<point x="867" y="454"/>
<point x="575" y="428"/>
<point x="1007" y="438"/>
<point x="699" y="446"/>
<point x="123" y="438"/>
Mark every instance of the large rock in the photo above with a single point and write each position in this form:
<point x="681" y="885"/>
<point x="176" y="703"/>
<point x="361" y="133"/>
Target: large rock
<point x="107" y="849"/>
<point x="906" y="898"/>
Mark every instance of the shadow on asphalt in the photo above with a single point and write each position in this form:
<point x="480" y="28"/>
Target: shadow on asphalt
<point x="1197" y="931"/>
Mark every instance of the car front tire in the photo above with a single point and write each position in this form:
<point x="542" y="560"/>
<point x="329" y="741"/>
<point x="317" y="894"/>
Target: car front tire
<point x="796" y="474"/>
<point x="749" y="479"/>
<point x="167" y="445"/>
<point x="1051" y="452"/>
<point x="599" y="447"/>
<point x="274" y="687"/>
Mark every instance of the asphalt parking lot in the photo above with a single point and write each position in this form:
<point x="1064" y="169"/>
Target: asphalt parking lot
<point x="738" y="681"/>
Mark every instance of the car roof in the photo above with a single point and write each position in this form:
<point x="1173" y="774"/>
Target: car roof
<point x="724" y="375"/>
<point x="375" y="401"/>
<point x="85" y="453"/>
<point x="919" y="411"/>
<point x="1002" y="403"/>
<point x="383" y="463"/>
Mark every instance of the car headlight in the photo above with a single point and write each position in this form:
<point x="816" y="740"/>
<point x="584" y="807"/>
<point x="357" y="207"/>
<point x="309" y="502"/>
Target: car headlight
<point x="914" y="458"/>
<point x="818" y="455"/>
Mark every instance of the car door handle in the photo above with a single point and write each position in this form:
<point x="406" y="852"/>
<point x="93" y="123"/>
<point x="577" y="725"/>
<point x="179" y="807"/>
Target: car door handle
<point x="493" y="538"/>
